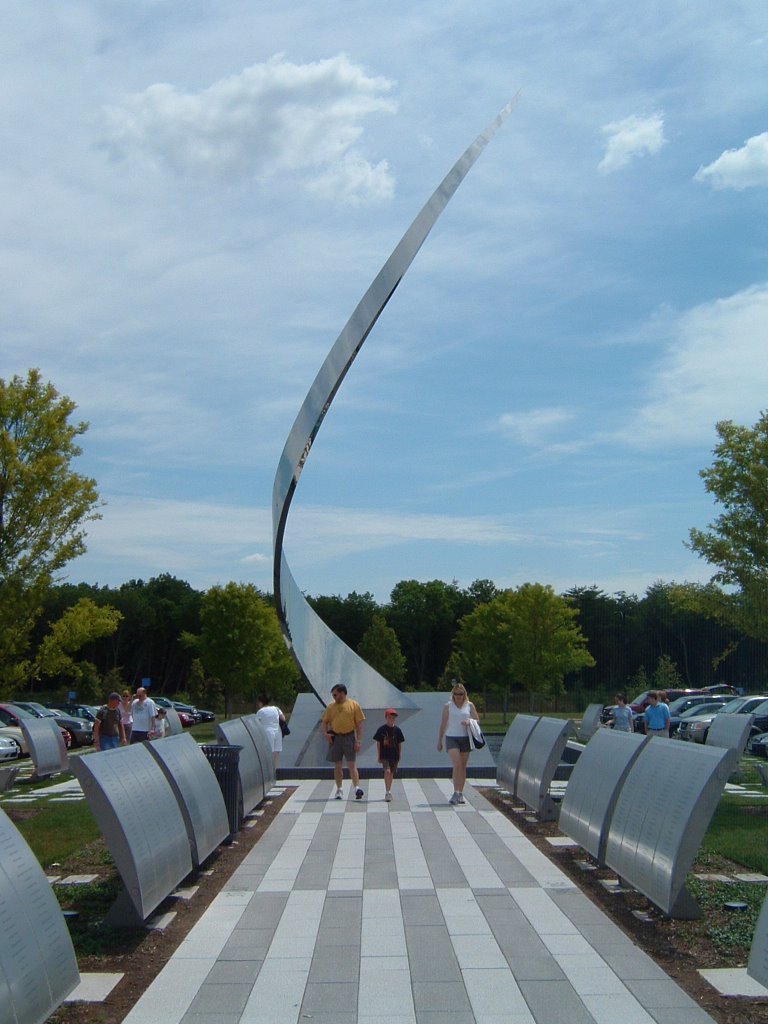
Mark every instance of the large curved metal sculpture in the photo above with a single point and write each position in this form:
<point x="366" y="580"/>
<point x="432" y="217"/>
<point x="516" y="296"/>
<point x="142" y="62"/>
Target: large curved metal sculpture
<point x="322" y="657"/>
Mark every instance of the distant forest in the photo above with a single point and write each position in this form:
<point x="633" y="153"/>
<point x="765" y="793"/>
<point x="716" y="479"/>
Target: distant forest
<point x="633" y="640"/>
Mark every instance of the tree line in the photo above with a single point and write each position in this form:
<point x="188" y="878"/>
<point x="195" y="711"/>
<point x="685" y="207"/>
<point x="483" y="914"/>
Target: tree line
<point x="223" y="644"/>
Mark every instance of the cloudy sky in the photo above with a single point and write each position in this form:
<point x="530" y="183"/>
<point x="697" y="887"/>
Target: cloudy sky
<point x="195" y="195"/>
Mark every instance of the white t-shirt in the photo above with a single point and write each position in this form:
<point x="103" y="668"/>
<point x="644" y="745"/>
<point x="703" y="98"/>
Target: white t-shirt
<point x="456" y="716"/>
<point x="143" y="712"/>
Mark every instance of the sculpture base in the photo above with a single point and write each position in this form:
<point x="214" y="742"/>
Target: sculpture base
<point x="304" y="751"/>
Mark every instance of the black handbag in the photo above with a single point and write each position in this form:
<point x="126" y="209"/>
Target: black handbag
<point x="284" y="727"/>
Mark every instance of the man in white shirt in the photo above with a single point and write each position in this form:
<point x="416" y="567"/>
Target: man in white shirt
<point x="144" y="714"/>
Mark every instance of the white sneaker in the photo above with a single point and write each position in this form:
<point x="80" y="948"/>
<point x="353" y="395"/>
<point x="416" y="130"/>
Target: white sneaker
<point x="454" y="799"/>
<point x="388" y="797"/>
<point x="460" y="798"/>
<point x="339" y="795"/>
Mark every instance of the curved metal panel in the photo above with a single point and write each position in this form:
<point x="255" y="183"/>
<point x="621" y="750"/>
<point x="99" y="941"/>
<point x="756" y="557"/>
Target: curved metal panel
<point x="757" y="967"/>
<point x="197" y="792"/>
<point x="538" y="763"/>
<point x="38" y="968"/>
<point x="321" y="655"/>
<point x="594" y="786"/>
<point x="512" y="749"/>
<point x="235" y="733"/>
<point x="656" y="830"/>
<point x="139" y="818"/>
<point x="263" y="750"/>
<point x="46" y="745"/>
<point x="730" y="731"/>
<point x="175" y="728"/>
<point x="590" y="722"/>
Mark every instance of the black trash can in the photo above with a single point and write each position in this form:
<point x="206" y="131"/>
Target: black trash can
<point x="224" y="759"/>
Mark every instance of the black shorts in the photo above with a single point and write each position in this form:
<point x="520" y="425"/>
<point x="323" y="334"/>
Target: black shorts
<point x="342" y="747"/>
<point x="390" y="762"/>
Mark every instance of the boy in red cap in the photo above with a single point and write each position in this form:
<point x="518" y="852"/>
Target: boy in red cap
<point x="388" y="740"/>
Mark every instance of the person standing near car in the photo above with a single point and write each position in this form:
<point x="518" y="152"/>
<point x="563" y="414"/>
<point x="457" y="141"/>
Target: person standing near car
<point x="108" y="732"/>
<point x="621" y="715"/>
<point x="126" y="716"/>
<point x="144" y="714"/>
<point x="656" y="716"/>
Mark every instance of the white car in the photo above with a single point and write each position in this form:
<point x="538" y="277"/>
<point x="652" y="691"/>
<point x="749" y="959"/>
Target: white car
<point x="9" y="747"/>
<point x="14" y="734"/>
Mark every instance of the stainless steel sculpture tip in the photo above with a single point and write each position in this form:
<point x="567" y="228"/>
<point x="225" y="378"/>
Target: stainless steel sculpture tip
<point x="323" y="658"/>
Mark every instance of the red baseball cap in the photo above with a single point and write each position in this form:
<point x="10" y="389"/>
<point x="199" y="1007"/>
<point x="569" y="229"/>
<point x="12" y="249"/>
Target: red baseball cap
<point x="390" y="711"/>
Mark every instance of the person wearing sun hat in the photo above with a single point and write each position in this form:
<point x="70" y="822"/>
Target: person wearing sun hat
<point x="389" y="739"/>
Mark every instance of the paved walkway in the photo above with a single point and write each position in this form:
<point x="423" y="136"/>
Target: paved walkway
<point x="410" y="912"/>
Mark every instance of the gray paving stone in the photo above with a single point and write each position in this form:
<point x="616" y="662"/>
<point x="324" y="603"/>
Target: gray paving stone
<point x="554" y="1002"/>
<point x="330" y="997"/>
<point x="660" y="994"/>
<point x="329" y="965"/>
<point x="446" y="996"/>
<point x="247" y="944"/>
<point x="210" y="1018"/>
<point x="221" y="998"/>
<point x="535" y="968"/>
<point x="636" y="966"/>
<point x="421" y="911"/>
<point x="226" y="972"/>
<point x="446" y="1017"/>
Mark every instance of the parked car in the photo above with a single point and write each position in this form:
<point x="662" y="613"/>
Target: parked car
<point x="758" y="745"/>
<point x="86" y="711"/>
<point x="11" y="716"/>
<point x="701" y="708"/>
<point x="9" y="748"/>
<point x="760" y="721"/>
<point x="696" y="727"/>
<point x="79" y="729"/>
<point x="189" y="709"/>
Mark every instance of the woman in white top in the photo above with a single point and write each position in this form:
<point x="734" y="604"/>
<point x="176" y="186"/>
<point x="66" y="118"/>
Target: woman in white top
<point x="270" y="716"/>
<point x="453" y="726"/>
<point x="126" y="715"/>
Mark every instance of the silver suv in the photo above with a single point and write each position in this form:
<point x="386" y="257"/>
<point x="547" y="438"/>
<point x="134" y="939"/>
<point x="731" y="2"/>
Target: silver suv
<point x="697" y="727"/>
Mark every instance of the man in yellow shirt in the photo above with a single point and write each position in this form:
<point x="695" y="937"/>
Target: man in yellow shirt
<point x="342" y="725"/>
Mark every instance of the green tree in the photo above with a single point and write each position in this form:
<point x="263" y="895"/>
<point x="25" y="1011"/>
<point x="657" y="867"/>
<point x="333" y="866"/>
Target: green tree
<point x="666" y="675"/>
<point x="379" y="647"/>
<point x="349" y="617"/>
<point x="78" y="626"/>
<point x="528" y="636"/>
<point x="44" y="505"/>
<point x="240" y="644"/>
<point x="737" y="542"/>
<point x="424" y="616"/>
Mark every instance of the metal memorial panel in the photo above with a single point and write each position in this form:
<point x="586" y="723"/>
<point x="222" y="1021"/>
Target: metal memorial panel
<point x="511" y="751"/>
<point x="538" y="763"/>
<point x="263" y="750"/>
<point x="730" y="731"/>
<point x="662" y="812"/>
<point x="139" y="818"/>
<point x="322" y="656"/>
<point x="594" y="787"/>
<point x="46" y="745"/>
<point x="175" y="728"/>
<point x="757" y="967"/>
<point x="235" y="732"/>
<point x="590" y="722"/>
<point x="38" y="968"/>
<point x="197" y="791"/>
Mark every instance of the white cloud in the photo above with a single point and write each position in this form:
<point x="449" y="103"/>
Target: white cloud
<point x="634" y="136"/>
<point x="534" y="427"/>
<point x="739" y="168"/>
<point x="271" y="118"/>
<point x="715" y="369"/>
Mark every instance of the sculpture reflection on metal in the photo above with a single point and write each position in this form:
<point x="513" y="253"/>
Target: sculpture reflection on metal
<point x="322" y="657"/>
